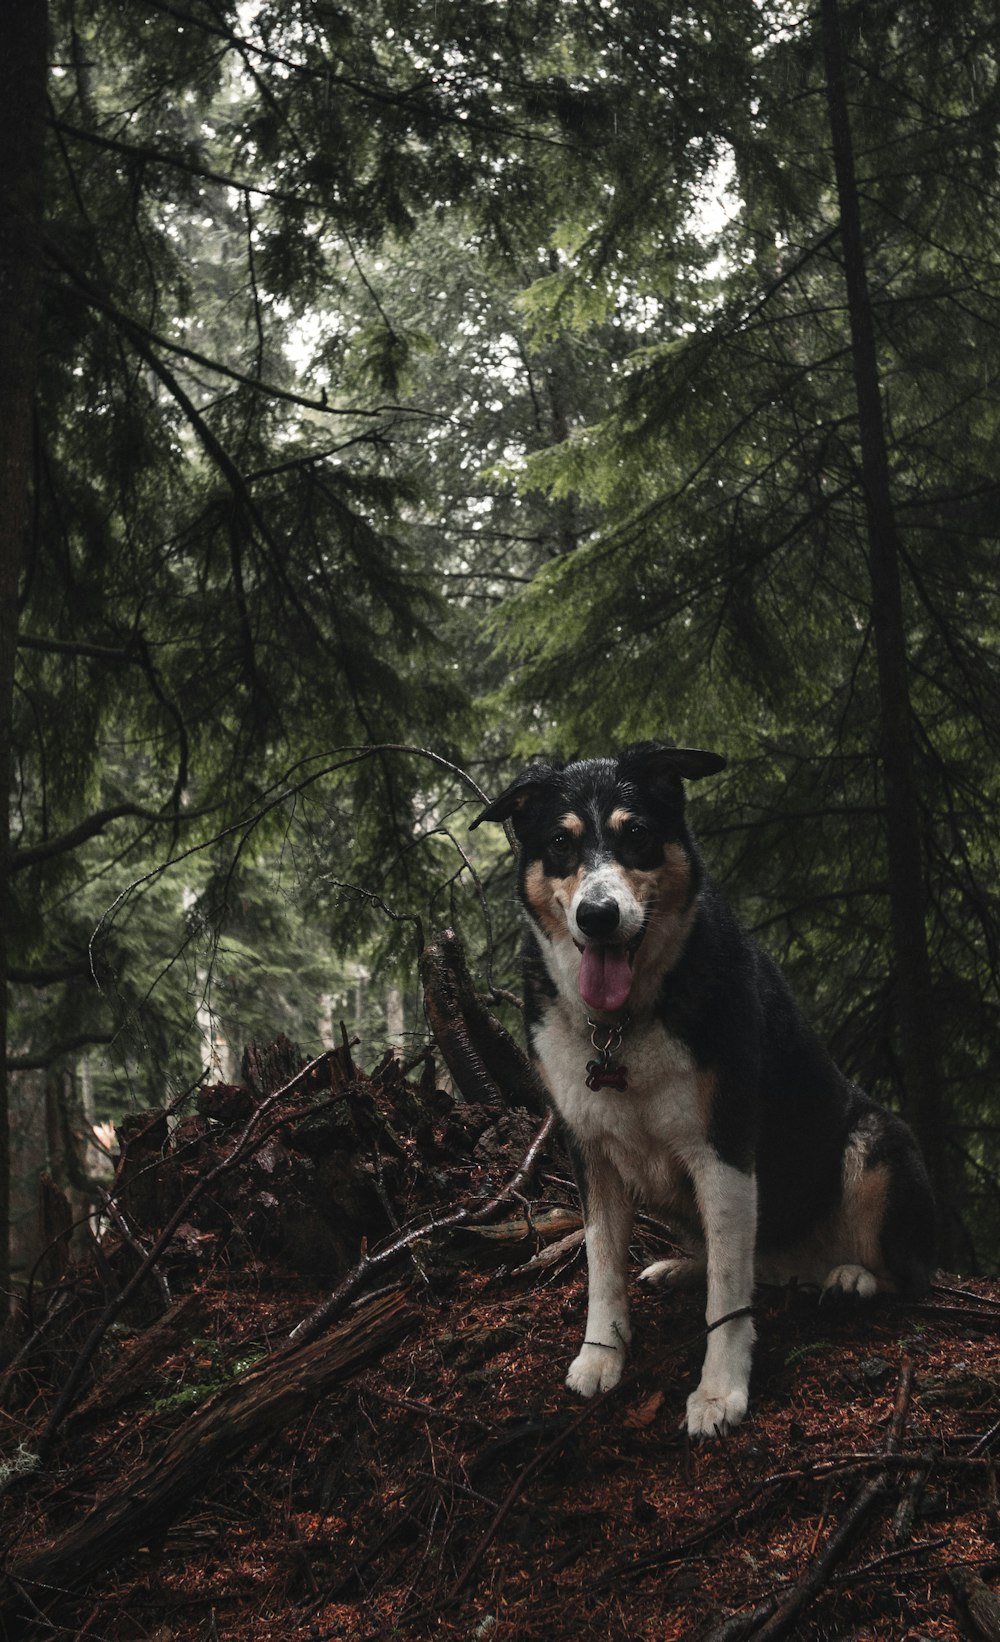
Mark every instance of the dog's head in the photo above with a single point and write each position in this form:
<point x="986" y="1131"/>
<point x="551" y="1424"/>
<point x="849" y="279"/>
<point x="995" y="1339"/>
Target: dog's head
<point x="607" y="868"/>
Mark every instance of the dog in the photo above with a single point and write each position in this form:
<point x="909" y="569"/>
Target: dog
<point x="686" y="1078"/>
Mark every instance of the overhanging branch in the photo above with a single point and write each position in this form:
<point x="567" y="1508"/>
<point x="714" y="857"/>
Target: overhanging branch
<point x="48" y="1057"/>
<point x="21" y="859"/>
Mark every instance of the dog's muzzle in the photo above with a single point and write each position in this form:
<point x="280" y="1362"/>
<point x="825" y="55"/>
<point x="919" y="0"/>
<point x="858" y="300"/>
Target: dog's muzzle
<point x="605" y="964"/>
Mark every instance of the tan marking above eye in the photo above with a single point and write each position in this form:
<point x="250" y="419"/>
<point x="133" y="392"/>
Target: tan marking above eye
<point x="571" y="823"/>
<point x="618" y="818"/>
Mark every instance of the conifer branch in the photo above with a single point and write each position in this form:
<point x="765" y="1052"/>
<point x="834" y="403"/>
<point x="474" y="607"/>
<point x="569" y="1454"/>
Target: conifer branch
<point x="271" y="390"/>
<point x="22" y="859"/>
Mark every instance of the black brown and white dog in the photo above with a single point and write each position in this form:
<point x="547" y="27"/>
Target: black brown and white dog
<point x="687" y="1079"/>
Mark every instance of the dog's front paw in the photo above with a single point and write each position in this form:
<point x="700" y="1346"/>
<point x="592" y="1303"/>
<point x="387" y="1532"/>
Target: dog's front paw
<point x="596" y="1368"/>
<point x="850" y="1280"/>
<point x="712" y="1414"/>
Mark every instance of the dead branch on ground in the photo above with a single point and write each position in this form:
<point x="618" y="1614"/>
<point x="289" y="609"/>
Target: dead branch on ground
<point x="250" y="1138"/>
<point x="776" y="1615"/>
<point x="260" y="1402"/>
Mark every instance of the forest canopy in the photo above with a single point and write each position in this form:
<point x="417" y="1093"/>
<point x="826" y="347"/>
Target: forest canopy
<point x="481" y="381"/>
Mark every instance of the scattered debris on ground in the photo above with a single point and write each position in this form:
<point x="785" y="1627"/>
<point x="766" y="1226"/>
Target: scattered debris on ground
<point x="330" y="1406"/>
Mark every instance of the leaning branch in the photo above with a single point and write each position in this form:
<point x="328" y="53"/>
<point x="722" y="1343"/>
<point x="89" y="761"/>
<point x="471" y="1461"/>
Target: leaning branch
<point x="21" y="859"/>
<point x="284" y="791"/>
<point x="153" y="339"/>
<point x="74" y="647"/>
<point x="52" y="975"/>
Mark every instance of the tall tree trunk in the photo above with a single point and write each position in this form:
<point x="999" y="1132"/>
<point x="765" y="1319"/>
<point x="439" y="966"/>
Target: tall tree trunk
<point x="919" y="1041"/>
<point x="22" y="140"/>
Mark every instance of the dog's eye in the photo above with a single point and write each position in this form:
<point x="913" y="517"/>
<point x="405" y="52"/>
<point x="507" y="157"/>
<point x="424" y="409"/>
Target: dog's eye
<point x="561" y="842"/>
<point x="638" y="832"/>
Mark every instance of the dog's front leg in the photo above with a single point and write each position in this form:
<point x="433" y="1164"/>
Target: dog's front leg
<point x="727" y="1200"/>
<point x="608" y="1216"/>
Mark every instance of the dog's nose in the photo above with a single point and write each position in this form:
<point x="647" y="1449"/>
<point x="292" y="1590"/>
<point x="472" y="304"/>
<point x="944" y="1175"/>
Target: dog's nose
<point x="598" y="919"/>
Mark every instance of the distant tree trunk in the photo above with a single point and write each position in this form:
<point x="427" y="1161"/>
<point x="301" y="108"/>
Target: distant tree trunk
<point x="919" y="1039"/>
<point x="22" y="138"/>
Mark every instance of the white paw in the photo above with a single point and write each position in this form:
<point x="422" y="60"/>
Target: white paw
<point x="596" y="1368"/>
<point x="712" y="1414"/>
<point x="680" y="1273"/>
<point x="851" y="1280"/>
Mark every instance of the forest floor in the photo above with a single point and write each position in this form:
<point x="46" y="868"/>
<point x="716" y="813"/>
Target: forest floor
<point x="443" y="1483"/>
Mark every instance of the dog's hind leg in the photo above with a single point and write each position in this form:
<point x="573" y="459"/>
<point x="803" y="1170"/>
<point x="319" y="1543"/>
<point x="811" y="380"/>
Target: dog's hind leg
<point x="608" y="1217"/>
<point x="684" y="1272"/>
<point x="885" y="1224"/>
<point x="727" y="1200"/>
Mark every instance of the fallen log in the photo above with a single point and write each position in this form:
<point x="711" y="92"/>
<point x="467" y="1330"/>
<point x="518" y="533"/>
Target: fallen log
<point x="261" y="1402"/>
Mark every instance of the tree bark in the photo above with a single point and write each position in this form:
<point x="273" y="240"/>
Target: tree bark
<point x="486" y="1063"/>
<point x="919" y="1041"/>
<point x="22" y="140"/>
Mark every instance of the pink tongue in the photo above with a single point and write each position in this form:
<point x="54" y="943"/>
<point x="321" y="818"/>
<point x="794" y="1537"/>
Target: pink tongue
<point x="605" y="977"/>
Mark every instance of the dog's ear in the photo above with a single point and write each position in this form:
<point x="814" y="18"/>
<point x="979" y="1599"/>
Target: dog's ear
<point x="691" y="763"/>
<point x="516" y="799"/>
<point x="654" y="758"/>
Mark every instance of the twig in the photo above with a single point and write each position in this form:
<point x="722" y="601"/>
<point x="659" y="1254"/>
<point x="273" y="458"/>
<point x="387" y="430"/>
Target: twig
<point x="906" y="1511"/>
<point x="865" y="1570"/>
<point x="109" y="1193"/>
<point x="534" y="1465"/>
<point x="376" y="900"/>
<point x="966" y="1294"/>
<point x="679" y="1549"/>
<point x="954" y="1314"/>
<point x="984" y="1444"/>
<point x="272" y="798"/>
<point x="55" y="1305"/>
<point x="115" y="1214"/>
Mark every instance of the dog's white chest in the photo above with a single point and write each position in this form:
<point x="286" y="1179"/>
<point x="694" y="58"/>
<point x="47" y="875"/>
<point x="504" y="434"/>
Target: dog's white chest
<point x="650" y="1131"/>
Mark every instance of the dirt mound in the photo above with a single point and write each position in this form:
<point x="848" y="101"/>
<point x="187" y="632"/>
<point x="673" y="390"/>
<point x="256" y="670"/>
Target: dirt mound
<point x="330" y="1405"/>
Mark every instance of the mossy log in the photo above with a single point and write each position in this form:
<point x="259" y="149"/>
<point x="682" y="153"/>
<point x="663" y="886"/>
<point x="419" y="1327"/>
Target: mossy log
<point x="142" y="1511"/>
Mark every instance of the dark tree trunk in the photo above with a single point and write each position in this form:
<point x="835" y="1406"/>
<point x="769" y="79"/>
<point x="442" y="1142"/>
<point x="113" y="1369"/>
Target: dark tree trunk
<point x="919" y="1042"/>
<point x="22" y="137"/>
